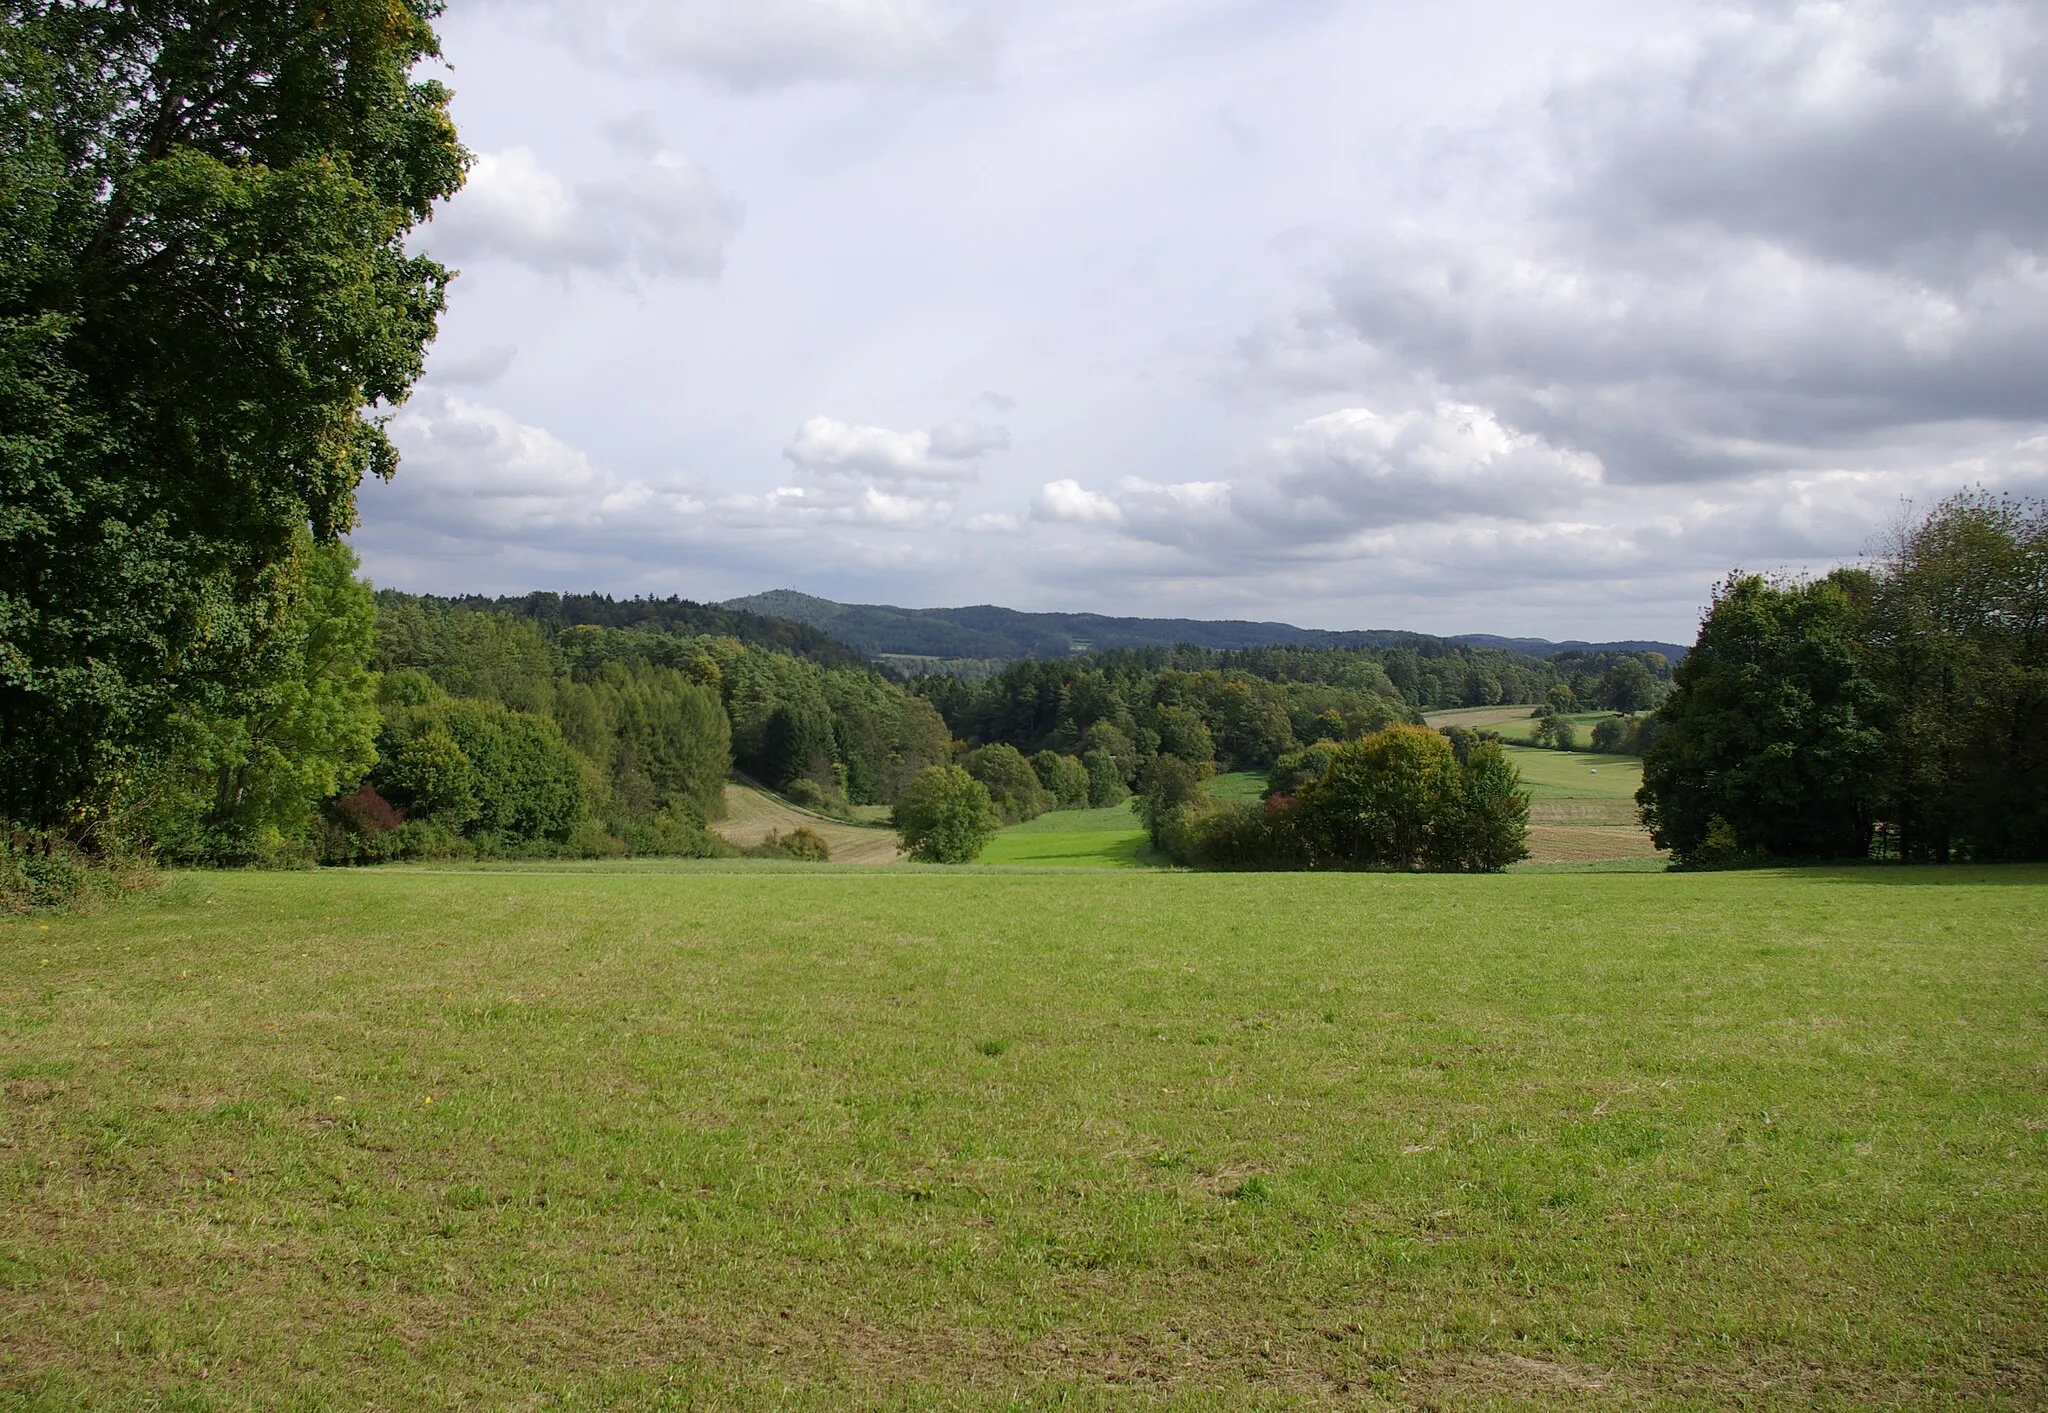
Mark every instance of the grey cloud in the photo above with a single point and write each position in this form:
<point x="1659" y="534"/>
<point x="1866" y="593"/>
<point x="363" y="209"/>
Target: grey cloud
<point x="667" y="219"/>
<point x="1810" y="226"/>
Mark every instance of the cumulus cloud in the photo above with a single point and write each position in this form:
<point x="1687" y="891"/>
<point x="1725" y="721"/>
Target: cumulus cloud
<point x="1069" y="501"/>
<point x="477" y="470"/>
<point x="826" y="446"/>
<point x="1807" y="228"/>
<point x="667" y="218"/>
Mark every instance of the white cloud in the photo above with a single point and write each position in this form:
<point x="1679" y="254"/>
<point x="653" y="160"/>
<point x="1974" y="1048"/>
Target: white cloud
<point x="1068" y="500"/>
<point x="1452" y="461"/>
<point x="825" y="446"/>
<point x="667" y="219"/>
<point x="1801" y="227"/>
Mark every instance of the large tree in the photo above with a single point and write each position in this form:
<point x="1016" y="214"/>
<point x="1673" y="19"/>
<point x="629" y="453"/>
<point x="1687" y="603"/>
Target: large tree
<point x="1771" y="741"/>
<point x="1958" y="639"/>
<point x="205" y="300"/>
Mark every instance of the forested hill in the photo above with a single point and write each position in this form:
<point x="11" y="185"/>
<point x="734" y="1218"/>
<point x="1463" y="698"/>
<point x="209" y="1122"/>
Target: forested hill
<point x="758" y="628"/>
<point x="985" y="631"/>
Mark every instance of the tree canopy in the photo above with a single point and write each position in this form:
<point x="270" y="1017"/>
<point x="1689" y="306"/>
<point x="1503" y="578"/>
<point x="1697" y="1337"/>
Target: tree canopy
<point x="205" y="297"/>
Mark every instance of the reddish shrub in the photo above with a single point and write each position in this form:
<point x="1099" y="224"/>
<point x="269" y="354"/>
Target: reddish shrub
<point x="365" y="811"/>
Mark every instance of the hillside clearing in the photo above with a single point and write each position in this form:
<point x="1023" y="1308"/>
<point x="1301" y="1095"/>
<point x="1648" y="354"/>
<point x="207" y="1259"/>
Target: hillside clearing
<point x="741" y="1136"/>
<point x="751" y="815"/>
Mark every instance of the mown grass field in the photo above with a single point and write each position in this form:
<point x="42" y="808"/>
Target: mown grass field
<point x="783" y="1137"/>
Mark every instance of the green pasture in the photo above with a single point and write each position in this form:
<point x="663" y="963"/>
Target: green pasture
<point x="733" y="1136"/>
<point x="1106" y="838"/>
<point x="1576" y="775"/>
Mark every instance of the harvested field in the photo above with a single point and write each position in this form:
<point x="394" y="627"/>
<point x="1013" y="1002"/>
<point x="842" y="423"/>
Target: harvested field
<point x="751" y="815"/>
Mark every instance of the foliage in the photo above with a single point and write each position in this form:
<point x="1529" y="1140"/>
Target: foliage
<point x="1105" y="779"/>
<point x="800" y="845"/>
<point x="1557" y="732"/>
<point x="1956" y="637"/>
<point x="1629" y="686"/>
<point x="1774" y="729"/>
<point x="1397" y="799"/>
<point x="1169" y="785"/>
<point x="206" y="284"/>
<point x="1065" y="778"/>
<point x="525" y="782"/>
<point x="1013" y="786"/>
<point x="946" y="816"/>
<point x="246" y="787"/>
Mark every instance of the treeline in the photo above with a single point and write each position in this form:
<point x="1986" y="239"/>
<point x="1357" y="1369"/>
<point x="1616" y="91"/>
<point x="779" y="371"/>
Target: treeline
<point x="1897" y="709"/>
<point x="1245" y="709"/>
<point x="402" y="726"/>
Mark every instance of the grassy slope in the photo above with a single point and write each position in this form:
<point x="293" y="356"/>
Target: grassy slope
<point x="742" y="1136"/>
<point x="1104" y="838"/>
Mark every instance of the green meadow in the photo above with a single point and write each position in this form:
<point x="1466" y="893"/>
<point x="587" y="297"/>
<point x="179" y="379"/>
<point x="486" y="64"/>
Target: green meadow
<point x="748" y="1136"/>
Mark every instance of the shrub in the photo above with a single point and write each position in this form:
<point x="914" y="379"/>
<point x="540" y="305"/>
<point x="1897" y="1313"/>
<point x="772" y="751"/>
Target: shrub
<point x="1558" y="732"/>
<point x="946" y="816"/>
<point x="526" y="782"/>
<point x="809" y="794"/>
<point x="1168" y="785"/>
<point x="1064" y="778"/>
<point x="1237" y="835"/>
<point x="1486" y="827"/>
<point x="1611" y="737"/>
<point x="1012" y="784"/>
<point x="1381" y="801"/>
<point x="801" y="845"/>
<point x="1105" y="779"/>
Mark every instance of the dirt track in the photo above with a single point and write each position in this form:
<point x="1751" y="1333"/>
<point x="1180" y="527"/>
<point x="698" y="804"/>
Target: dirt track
<point x="751" y="815"/>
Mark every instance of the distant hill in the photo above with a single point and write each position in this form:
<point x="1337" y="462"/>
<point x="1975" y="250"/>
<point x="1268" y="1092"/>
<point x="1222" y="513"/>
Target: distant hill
<point x="986" y="631"/>
<point x="1543" y="647"/>
<point x="670" y="615"/>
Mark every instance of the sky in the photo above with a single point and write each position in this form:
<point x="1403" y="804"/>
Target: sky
<point x="1531" y="317"/>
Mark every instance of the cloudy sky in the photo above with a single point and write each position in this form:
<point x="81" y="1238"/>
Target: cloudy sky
<point x="1485" y="315"/>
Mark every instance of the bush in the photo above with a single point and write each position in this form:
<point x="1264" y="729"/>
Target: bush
<point x="946" y="816"/>
<point x="1105" y="779"/>
<point x="1379" y="803"/>
<point x="41" y="871"/>
<point x="1168" y="785"/>
<point x="1064" y="778"/>
<point x="1012" y="784"/>
<point x="1487" y="827"/>
<point x="809" y="794"/>
<point x="1395" y="799"/>
<point x="526" y="783"/>
<point x="1557" y="732"/>
<point x="800" y="845"/>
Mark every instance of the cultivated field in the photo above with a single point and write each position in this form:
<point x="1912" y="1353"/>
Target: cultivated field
<point x="751" y="1135"/>
<point x="751" y="815"/>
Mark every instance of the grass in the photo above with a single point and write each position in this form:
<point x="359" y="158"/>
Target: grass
<point x="1577" y="775"/>
<point x="731" y="1136"/>
<point x="1106" y="838"/>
